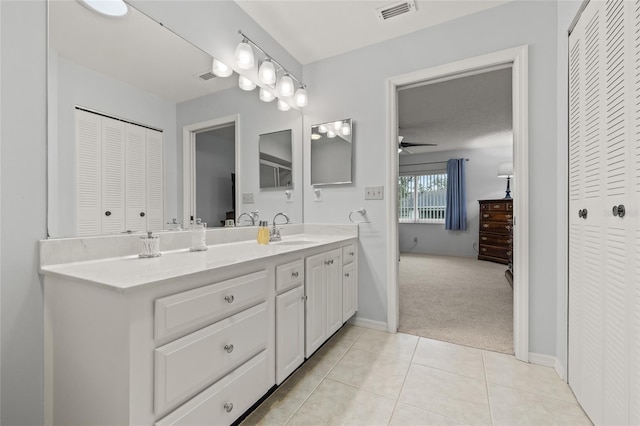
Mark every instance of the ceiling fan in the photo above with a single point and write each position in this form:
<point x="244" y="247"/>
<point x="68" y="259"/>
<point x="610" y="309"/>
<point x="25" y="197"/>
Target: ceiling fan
<point x="402" y="146"/>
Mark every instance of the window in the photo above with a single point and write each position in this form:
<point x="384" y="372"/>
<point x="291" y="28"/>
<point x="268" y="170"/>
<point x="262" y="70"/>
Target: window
<point x="422" y="198"/>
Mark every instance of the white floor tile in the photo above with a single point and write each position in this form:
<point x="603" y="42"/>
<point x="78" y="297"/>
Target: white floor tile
<point x="325" y="358"/>
<point x="407" y="415"/>
<point x="450" y="357"/>
<point x="398" y="345"/>
<point x="348" y="334"/>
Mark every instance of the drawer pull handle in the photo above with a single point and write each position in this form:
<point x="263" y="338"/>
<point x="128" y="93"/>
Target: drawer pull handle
<point x="228" y="407"/>
<point x="483" y="249"/>
<point x="509" y="241"/>
<point x="485" y="225"/>
<point x="485" y="215"/>
<point x="619" y="211"/>
<point x="351" y="253"/>
<point x="295" y="274"/>
<point x="107" y="213"/>
<point x="347" y="275"/>
<point x="496" y="206"/>
<point x="329" y="262"/>
<point x="508" y="253"/>
<point x="228" y="348"/>
<point x="507" y="227"/>
<point x="484" y="238"/>
<point x="229" y="298"/>
<point x="508" y="216"/>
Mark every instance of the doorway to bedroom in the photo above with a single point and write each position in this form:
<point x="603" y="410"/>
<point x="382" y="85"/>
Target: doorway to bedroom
<point x="455" y="162"/>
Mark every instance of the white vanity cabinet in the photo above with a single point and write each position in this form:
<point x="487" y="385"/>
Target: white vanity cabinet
<point x="289" y="318"/>
<point x="323" y="288"/>
<point x="349" y="282"/>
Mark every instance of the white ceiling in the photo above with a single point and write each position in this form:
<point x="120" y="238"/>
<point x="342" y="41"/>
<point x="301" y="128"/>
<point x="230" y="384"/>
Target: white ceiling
<point x="470" y="112"/>
<point x="312" y="30"/>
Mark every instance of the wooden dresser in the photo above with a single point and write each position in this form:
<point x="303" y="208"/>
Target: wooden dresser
<point x="495" y="240"/>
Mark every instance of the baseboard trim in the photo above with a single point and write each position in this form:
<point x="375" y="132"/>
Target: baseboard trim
<point x="547" y="361"/>
<point x="367" y="323"/>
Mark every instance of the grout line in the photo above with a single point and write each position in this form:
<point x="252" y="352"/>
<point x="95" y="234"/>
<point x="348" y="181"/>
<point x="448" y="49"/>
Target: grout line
<point x="486" y="385"/>
<point x="395" y="404"/>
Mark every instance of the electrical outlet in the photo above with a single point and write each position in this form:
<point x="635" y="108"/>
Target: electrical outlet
<point x="374" y="192"/>
<point x="247" y="198"/>
<point x="317" y="194"/>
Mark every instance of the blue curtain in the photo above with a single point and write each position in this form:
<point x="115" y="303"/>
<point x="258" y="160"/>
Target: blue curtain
<point x="456" y="213"/>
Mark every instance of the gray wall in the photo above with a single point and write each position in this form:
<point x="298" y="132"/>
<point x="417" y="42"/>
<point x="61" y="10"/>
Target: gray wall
<point x="215" y="161"/>
<point x="482" y="184"/>
<point x="23" y="167"/>
<point x="353" y="85"/>
<point x="77" y="85"/>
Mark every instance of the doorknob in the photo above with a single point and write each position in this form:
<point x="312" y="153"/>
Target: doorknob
<point x="619" y="210"/>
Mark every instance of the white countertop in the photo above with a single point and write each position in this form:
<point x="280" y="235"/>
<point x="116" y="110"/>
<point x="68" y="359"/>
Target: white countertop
<point x="129" y="272"/>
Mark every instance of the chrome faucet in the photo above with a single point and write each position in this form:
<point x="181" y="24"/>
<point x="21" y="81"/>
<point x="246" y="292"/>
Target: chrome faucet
<point x="250" y="216"/>
<point x="274" y="235"/>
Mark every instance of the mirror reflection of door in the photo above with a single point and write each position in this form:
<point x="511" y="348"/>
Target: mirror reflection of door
<point x="215" y="169"/>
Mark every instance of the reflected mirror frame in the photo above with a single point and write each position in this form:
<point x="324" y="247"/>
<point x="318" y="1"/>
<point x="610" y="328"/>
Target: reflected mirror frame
<point x="316" y="130"/>
<point x="266" y="159"/>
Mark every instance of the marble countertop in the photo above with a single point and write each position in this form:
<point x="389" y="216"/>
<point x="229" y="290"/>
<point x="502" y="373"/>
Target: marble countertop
<point x="129" y="272"/>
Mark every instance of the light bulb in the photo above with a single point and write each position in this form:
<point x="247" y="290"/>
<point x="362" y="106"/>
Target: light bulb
<point x="220" y="69"/>
<point x="107" y="7"/>
<point x="244" y="56"/>
<point x="322" y="128"/>
<point x="266" y="96"/>
<point x="331" y="134"/>
<point x="346" y="129"/>
<point x="245" y="84"/>
<point x="267" y="72"/>
<point x="300" y="98"/>
<point x="285" y="86"/>
<point x="315" y="136"/>
<point x="283" y="106"/>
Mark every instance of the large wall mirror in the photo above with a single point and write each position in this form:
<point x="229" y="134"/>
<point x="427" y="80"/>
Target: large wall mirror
<point x="331" y="152"/>
<point x="135" y="76"/>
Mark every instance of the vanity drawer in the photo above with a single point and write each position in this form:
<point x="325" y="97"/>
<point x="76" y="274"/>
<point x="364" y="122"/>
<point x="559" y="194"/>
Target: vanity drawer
<point x="289" y="275"/>
<point x="183" y="311"/>
<point x="348" y="254"/>
<point x="227" y="399"/>
<point x="188" y="365"/>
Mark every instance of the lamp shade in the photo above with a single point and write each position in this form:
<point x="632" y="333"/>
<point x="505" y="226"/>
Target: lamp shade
<point x="300" y="97"/>
<point x="244" y="56"/>
<point x="266" y="96"/>
<point x="245" y="84"/>
<point x="285" y="86"/>
<point x="505" y="170"/>
<point x="267" y="72"/>
<point x="220" y="69"/>
<point x="107" y="7"/>
<point x="283" y="106"/>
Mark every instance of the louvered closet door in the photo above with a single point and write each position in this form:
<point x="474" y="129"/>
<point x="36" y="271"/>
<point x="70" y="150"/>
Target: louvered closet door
<point x="113" y="176"/>
<point x="154" y="179"/>
<point x="88" y="173"/>
<point x="604" y="298"/>
<point x="136" y="191"/>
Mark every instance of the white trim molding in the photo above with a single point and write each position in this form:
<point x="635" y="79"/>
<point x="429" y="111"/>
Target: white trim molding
<point x="189" y="161"/>
<point x="517" y="58"/>
<point x="367" y="323"/>
<point x="548" y="361"/>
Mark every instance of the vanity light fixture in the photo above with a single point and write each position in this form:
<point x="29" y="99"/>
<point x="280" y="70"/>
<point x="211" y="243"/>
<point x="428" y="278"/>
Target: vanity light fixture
<point x="345" y="130"/>
<point x="316" y="136"/>
<point x="331" y="134"/>
<point x="244" y="55"/>
<point x="268" y="71"/>
<point x="266" y="96"/>
<point x="283" y="106"/>
<point x="220" y="69"/>
<point x="114" y="8"/>
<point x="322" y="128"/>
<point x="245" y="84"/>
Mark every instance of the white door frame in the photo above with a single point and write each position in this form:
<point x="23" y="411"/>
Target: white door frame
<point x="189" y="133"/>
<point x="518" y="58"/>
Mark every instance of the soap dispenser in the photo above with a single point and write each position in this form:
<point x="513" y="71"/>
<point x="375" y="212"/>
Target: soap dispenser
<point x="198" y="236"/>
<point x="263" y="233"/>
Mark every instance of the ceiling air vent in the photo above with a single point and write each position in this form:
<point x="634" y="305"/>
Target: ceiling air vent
<point x="208" y="75"/>
<point x="395" y="9"/>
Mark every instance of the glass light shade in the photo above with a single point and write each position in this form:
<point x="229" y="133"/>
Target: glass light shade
<point x="322" y="128"/>
<point x="337" y="126"/>
<point x="315" y="136"/>
<point x="107" y="7"/>
<point x="266" y="96"/>
<point x="505" y="170"/>
<point x="345" y="130"/>
<point x="267" y="72"/>
<point x="300" y="98"/>
<point x="285" y="86"/>
<point x="220" y="69"/>
<point x="244" y="56"/>
<point x="245" y="84"/>
<point x="331" y="134"/>
<point x="283" y="106"/>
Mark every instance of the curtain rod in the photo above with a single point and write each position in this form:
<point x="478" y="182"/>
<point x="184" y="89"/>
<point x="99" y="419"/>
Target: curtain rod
<point x="421" y="164"/>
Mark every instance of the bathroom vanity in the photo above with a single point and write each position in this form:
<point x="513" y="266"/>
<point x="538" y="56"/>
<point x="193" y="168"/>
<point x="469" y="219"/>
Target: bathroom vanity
<point x="188" y="337"/>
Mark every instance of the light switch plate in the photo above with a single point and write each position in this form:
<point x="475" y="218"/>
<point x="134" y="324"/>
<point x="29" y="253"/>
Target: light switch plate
<point x="247" y="198"/>
<point x="374" y="192"/>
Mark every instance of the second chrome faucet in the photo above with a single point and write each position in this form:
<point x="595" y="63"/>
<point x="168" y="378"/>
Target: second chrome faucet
<point x="275" y="235"/>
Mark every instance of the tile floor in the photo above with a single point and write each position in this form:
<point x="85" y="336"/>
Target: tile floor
<point x="369" y="377"/>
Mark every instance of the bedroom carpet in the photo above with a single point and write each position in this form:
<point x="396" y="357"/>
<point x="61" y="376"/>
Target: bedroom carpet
<point x="456" y="299"/>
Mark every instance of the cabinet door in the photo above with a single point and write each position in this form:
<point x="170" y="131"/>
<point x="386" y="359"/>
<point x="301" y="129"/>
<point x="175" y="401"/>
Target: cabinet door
<point x="154" y="181"/>
<point x="88" y="173"/>
<point x="349" y="291"/>
<point x="289" y="332"/>
<point x="315" y="312"/>
<point x="113" y="176"/>
<point x="136" y="179"/>
<point x="333" y="277"/>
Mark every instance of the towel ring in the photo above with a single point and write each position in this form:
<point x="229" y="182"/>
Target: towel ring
<point x="362" y="213"/>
